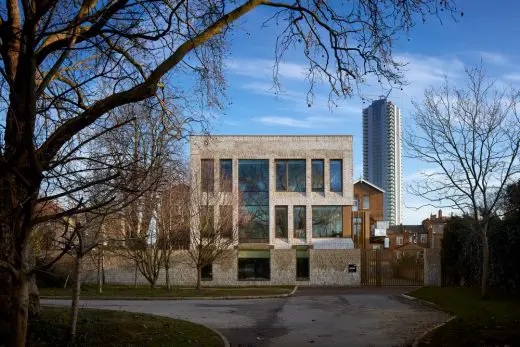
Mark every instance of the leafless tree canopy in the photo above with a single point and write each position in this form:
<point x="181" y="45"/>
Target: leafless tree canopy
<point x="471" y="137"/>
<point x="66" y="65"/>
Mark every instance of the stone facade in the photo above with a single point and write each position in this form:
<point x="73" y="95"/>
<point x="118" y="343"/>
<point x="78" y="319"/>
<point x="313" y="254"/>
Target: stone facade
<point x="327" y="268"/>
<point x="281" y="147"/>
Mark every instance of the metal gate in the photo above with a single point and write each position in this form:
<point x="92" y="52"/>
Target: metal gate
<point x="387" y="267"/>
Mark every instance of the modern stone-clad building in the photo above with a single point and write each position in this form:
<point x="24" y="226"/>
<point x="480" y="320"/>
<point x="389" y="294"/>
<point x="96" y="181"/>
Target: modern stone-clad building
<point x="382" y="164"/>
<point x="292" y="200"/>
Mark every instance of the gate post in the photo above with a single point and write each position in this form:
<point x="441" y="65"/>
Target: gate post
<point x="432" y="267"/>
<point x="378" y="268"/>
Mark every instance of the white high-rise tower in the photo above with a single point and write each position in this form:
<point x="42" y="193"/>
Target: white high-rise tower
<point x="382" y="154"/>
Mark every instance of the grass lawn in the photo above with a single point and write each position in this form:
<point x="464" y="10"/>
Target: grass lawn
<point x="493" y="322"/>
<point x="109" y="291"/>
<point x="113" y="328"/>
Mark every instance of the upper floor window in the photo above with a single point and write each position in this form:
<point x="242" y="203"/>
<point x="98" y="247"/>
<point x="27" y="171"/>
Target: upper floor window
<point x="281" y="221"/>
<point x="226" y="174"/>
<point x="424" y="238"/>
<point x="207" y="177"/>
<point x="366" y="201"/>
<point x="356" y="204"/>
<point x="290" y="175"/>
<point x="399" y="240"/>
<point x="318" y="184"/>
<point x="336" y="175"/>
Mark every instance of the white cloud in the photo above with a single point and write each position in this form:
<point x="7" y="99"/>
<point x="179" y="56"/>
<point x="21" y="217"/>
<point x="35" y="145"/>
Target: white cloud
<point x="512" y="77"/>
<point x="263" y="68"/>
<point x="495" y="58"/>
<point x="304" y="122"/>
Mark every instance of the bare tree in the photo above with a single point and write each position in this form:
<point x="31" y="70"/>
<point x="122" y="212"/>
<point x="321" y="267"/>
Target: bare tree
<point x="471" y="136"/>
<point x="211" y="224"/>
<point x="66" y="65"/>
<point x="173" y="218"/>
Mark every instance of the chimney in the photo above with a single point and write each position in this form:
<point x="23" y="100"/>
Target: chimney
<point x="440" y="214"/>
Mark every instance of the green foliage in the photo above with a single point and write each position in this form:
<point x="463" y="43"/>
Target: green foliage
<point x="461" y="254"/>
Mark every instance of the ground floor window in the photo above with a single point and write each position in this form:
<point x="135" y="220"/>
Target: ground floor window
<point x="254" y="265"/>
<point x="206" y="273"/>
<point x="302" y="265"/>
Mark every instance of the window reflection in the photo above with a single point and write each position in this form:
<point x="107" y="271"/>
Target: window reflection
<point x="290" y="175"/>
<point x="281" y="221"/>
<point x="226" y="174"/>
<point x="317" y="175"/>
<point x="299" y="216"/>
<point x="253" y="176"/>
<point x="207" y="177"/>
<point x="336" y="176"/>
<point x="327" y="221"/>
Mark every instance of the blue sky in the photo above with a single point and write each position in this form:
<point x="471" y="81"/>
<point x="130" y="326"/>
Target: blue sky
<point x="487" y="31"/>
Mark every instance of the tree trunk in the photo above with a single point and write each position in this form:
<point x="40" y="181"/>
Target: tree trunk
<point x="485" y="265"/>
<point x="199" y="275"/>
<point x="20" y="311"/>
<point x="167" y="274"/>
<point x="135" y="275"/>
<point x="75" y="298"/>
<point x="34" y="297"/>
<point x="100" y="272"/>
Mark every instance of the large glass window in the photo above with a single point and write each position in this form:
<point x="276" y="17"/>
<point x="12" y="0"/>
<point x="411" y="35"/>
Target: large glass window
<point x="327" y="221"/>
<point x="318" y="184"/>
<point x="299" y="217"/>
<point x="226" y="220"/>
<point x="253" y="176"/>
<point x="226" y="175"/>
<point x="336" y="175"/>
<point x="207" y="176"/>
<point x="254" y="265"/>
<point x="302" y="264"/>
<point x="290" y="175"/>
<point x="281" y="221"/>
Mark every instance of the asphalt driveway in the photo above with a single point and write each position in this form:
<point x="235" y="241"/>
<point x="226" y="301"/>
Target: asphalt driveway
<point x="318" y="318"/>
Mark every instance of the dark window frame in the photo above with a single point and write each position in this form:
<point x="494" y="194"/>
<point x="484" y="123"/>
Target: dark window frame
<point x="285" y="211"/>
<point x="338" y="233"/>
<point x="340" y="175"/>
<point x="322" y="189"/>
<point x="256" y="199"/>
<point x="207" y="179"/>
<point x="304" y="221"/>
<point x="255" y="262"/>
<point x="225" y="185"/>
<point x="284" y="185"/>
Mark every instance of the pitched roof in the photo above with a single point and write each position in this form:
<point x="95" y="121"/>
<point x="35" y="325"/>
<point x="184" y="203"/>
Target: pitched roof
<point x="361" y="180"/>
<point x="399" y="229"/>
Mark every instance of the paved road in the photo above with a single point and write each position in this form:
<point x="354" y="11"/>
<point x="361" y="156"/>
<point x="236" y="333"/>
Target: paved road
<point x="321" y="318"/>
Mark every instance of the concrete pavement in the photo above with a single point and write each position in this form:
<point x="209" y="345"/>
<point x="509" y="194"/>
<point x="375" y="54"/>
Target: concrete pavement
<point x="317" y="319"/>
